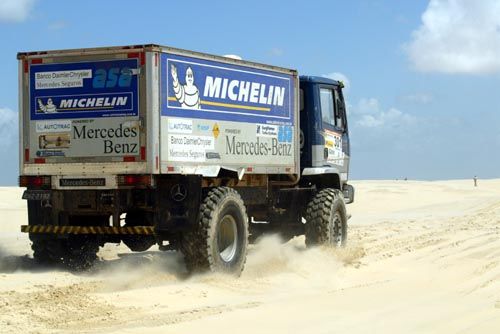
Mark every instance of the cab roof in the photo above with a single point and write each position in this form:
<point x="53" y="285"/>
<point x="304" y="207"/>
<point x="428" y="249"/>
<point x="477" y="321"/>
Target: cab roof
<point x="320" y="80"/>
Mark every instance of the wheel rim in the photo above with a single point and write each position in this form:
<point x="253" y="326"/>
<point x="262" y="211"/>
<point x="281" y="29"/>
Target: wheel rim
<point x="227" y="239"/>
<point x="337" y="233"/>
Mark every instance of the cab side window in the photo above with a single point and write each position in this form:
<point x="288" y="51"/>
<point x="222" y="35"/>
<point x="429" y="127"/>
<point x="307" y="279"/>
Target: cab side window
<point x="327" y="106"/>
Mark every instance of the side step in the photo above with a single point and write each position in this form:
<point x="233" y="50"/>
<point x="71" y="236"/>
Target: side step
<point x="51" y="229"/>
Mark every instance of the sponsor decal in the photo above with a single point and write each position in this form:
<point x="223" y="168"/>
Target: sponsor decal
<point x="95" y="102"/>
<point x="285" y="134"/>
<point x="258" y="147"/>
<point x="232" y="131"/>
<point x="213" y="155"/>
<point x="61" y="79"/>
<point x="216" y="130"/>
<point x="203" y="127"/>
<point x="186" y="94"/>
<point x="84" y="89"/>
<point x="204" y="142"/>
<point x="333" y="143"/>
<point x="97" y="182"/>
<point x="115" y="140"/>
<point x="264" y="130"/>
<point x="189" y="147"/>
<point x="210" y="89"/>
<point x="53" y="126"/>
<point x="46" y="153"/>
<point x="177" y="125"/>
<point x="54" y="140"/>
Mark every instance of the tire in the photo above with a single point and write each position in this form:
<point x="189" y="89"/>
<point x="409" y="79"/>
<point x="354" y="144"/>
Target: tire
<point x="80" y="252"/>
<point x="219" y="240"/>
<point x="326" y="219"/>
<point x="138" y="243"/>
<point x="75" y="252"/>
<point x="47" y="249"/>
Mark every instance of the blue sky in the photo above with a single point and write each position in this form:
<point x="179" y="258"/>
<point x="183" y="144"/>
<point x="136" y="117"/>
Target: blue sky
<point x="422" y="76"/>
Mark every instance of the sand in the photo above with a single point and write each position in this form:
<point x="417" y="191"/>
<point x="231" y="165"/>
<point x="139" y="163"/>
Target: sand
<point x="423" y="257"/>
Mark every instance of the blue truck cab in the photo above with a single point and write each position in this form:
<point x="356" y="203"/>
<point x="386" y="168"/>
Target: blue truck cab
<point x="324" y="135"/>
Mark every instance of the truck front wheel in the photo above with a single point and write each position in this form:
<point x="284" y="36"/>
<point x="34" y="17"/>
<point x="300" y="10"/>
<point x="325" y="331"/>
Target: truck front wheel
<point x="219" y="240"/>
<point x="326" y="219"/>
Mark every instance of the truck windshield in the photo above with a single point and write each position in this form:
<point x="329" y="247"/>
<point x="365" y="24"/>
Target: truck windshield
<point x="327" y="106"/>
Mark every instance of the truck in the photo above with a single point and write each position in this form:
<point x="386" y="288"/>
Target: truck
<point x="198" y="153"/>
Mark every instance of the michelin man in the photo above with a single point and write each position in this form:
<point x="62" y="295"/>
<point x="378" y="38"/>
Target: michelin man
<point x="49" y="108"/>
<point x="188" y="95"/>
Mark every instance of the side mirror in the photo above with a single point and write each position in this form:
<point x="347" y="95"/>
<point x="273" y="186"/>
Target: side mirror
<point x="340" y="107"/>
<point x="341" y="114"/>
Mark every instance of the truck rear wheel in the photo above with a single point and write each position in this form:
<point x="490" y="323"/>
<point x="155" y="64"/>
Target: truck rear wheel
<point x="80" y="252"/>
<point x="219" y="241"/>
<point x="326" y="219"/>
<point x="77" y="253"/>
<point x="47" y="249"/>
<point x="138" y="243"/>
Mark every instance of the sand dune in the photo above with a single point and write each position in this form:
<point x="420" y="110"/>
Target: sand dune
<point x="423" y="257"/>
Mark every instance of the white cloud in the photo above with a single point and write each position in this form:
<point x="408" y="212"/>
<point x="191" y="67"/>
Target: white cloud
<point x="392" y="117"/>
<point x="457" y="36"/>
<point x="418" y="98"/>
<point x="339" y="77"/>
<point x="368" y="106"/>
<point x="8" y="127"/>
<point x="369" y="114"/>
<point x="15" y="10"/>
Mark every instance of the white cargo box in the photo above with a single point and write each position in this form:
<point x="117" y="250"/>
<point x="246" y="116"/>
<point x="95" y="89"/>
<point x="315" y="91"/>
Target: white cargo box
<point x="152" y="110"/>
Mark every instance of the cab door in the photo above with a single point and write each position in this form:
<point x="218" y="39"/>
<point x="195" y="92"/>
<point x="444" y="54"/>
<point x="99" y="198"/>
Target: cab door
<point x="333" y="130"/>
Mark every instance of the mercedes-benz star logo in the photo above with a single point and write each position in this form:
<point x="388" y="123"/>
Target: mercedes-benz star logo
<point x="178" y="192"/>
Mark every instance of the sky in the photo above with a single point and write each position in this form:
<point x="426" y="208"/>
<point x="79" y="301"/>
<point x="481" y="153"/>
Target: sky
<point x="422" y="77"/>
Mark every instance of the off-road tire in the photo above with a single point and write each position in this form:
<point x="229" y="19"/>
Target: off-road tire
<point x="80" y="252"/>
<point x="201" y="244"/>
<point x="138" y="242"/>
<point x="76" y="252"/>
<point x="326" y="219"/>
<point x="47" y="251"/>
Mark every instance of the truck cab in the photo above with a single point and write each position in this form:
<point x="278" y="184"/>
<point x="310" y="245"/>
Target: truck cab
<point x="324" y="135"/>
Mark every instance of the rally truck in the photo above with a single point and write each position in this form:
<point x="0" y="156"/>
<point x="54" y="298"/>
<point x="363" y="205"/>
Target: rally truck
<point x="198" y="153"/>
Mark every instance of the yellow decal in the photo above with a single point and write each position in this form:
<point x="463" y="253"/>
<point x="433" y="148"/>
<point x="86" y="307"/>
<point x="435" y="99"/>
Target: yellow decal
<point x="216" y="130"/>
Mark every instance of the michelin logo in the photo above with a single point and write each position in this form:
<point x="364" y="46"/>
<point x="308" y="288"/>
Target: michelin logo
<point x="48" y="108"/>
<point x="244" y="91"/>
<point x="211" y="88"/>
<point x="188" y="94"/>
<point x="88" y="103"/>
